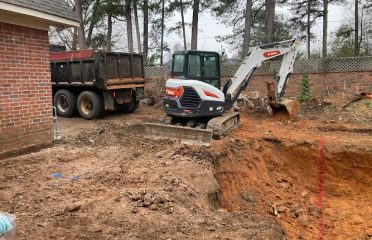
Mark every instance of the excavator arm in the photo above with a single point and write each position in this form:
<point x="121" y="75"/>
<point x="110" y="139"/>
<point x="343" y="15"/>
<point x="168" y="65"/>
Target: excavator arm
<point x="255" y="57"/>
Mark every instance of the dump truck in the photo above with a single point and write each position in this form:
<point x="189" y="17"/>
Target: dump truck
<point x="92" y="82"/>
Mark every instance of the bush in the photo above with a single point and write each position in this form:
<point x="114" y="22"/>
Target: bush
<point x="154" y="91"/>
<point x="305" y="89"/>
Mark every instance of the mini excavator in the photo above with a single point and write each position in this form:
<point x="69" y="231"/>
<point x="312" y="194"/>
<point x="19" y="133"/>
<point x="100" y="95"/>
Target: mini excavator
<point x="198" y="110"/>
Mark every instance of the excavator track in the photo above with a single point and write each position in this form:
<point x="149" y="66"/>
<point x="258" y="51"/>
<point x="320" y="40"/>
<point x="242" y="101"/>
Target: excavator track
<point x="216" y="128"/>
<point x="223" y="124"/>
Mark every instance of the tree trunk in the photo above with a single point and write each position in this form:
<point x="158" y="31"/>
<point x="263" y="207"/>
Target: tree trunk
<point x="145" y="10"/>
<point x="308" y="33"/>
<point x="195" y="20"/>
<point x="109" y="33"/>
<point x="361" y="31"/>
<point x="325" y="28"/>
<point x="269" y="16"/>
<point x="93" y="22"/>
<point x="128" y="18"/>
<point x="74" y="39"/>
<point x="137" y="26"/>
<point x="247" y="28"/>
<point x="183" y="26"/>
<point x="80" y="30"/>
<point x="356" y="27"/>
<point x="162" y="35"/>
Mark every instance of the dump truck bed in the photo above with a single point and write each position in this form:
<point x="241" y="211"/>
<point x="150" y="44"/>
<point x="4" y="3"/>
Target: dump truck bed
<point x="104" y="70"/>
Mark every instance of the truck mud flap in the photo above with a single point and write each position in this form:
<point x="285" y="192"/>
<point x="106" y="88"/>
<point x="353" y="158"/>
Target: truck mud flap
<point x="186" y="135"/>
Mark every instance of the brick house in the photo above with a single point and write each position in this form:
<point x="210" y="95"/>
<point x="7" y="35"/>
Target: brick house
<point x="26" y="121"/>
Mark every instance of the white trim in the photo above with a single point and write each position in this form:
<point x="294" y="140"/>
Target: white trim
<point x="25" y="21"/>
<point x="51" y="19"/>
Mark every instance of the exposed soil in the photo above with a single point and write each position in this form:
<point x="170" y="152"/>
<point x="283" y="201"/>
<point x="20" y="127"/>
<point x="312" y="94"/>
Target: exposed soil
<point x="105" y="180"/>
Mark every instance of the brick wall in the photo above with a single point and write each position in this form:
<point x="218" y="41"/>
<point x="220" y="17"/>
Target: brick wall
<point x="25" y="89"/>
<point x="354" y="81"/>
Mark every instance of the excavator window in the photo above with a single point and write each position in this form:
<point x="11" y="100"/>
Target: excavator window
<point x="178" y="63"/>
<point x="197" y="65"/>
<point x="194" y="67"/>
<point x="210" y="66"/>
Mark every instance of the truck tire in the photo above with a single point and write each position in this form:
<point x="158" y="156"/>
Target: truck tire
<point x="89" y="105"/>
<point x="129" y="107"/>
<point x="65" y="103"/>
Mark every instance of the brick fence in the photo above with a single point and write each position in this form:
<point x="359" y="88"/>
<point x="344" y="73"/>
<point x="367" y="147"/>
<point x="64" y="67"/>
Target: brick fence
<point x="327" y="76"/>
<point x="25" y="89"/>
<point x="321" y="84"/>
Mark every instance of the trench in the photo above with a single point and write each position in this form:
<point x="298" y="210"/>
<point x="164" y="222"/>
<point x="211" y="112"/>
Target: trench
<point x="270" y="177"/>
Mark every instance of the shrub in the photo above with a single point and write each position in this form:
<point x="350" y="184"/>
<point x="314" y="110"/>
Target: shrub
<point x="305" y="94"/>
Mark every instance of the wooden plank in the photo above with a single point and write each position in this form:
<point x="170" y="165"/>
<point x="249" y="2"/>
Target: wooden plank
<point x="125" y="80"/>
<point x="125" y="86"/>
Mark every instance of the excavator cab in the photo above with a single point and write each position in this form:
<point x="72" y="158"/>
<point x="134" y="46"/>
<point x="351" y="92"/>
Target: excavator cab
<point x="197" y="65"/>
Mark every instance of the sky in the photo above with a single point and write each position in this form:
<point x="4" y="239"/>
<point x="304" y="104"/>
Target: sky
<point x="210" y="27"/>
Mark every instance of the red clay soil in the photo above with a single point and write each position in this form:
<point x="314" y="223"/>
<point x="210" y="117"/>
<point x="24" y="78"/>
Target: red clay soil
<point x="274" y="166"/>
<point x="118" y="184"/>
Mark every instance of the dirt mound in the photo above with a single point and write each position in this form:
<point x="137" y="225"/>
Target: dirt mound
<point x="331" y="109"/>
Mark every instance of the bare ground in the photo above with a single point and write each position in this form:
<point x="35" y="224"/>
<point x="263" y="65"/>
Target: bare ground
<point x="105" y="180"/>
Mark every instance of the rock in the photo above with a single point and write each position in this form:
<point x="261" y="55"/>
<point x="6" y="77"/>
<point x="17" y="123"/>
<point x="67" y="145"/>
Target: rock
<point x="158" y="200"/>
<point x="314" y="211"/>
<point x="248" y="197"/>
<point x="153" y="207"/>
<point x="303" y="219"/>
<point x="211" y="227"/>
<point x="281" y="208"/>
<point x="136" y="154"/>
<point x="304" y="193"/>
<point x="135" y="210"/>
<point x="175" y="181"/>
<point x="73" y="208"/>
<point x="117" y="199"/>
<point x="298" y="211"/>
<point x="169" y="208"/>
<point x="148" y="198"/>
<point x="136" y="197"/>
<point x="357" y="220"/>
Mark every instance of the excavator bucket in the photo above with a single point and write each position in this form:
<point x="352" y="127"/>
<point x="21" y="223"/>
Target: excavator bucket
<point x="286" y="109"/>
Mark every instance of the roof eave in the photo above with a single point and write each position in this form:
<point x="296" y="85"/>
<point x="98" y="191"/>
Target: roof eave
<point x="51" y="19"/>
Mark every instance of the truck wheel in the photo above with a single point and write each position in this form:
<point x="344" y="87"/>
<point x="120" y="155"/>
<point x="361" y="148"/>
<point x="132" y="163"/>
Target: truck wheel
<point x="129" y="107"/>
<point x="65" y="103"/>
<point x="89" y="105"/>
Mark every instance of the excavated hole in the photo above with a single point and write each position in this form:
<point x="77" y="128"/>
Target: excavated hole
<point x="269" y="175"/>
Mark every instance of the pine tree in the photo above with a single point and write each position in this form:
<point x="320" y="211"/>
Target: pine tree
<point x="305" y="89"/>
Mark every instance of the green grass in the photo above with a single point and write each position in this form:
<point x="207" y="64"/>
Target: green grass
<point x="368" y="103"/>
